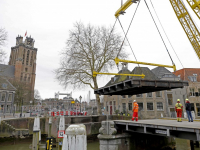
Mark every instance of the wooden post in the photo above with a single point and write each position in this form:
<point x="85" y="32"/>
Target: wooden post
<point x="36" y="130"/>
<point x="50" y="124"/>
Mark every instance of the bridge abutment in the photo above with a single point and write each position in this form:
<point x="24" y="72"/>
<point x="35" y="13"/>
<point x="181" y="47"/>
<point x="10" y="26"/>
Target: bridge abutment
<point x="110" y="140"/>
<point x="182" y="144"/>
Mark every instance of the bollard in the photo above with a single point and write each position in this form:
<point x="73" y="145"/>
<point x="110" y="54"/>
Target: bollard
<point x="61" y="132"/>
<point x="36" y="130"/>
<point x="0" y="120"/>
<point x="75" y="138"/>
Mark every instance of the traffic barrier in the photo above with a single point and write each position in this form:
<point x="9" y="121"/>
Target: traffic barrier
<point x="61" y="113"/>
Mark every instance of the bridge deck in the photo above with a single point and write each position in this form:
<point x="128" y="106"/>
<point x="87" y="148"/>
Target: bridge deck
<point x="186" y="130"/>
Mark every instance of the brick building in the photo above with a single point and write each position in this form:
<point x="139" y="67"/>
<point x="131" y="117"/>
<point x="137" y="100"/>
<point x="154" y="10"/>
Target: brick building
<point x="22" y="66"/>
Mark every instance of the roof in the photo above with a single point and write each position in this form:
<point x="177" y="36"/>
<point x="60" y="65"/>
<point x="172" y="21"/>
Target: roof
<point x="6" y="85"/>
<point x="161" y="71"/>
<point x="118" y="78"/>
<point x="7" y="71"/>
<point x="186" y="72"/>
<point x="149" y="75"/>
<point x="132" y="85"/>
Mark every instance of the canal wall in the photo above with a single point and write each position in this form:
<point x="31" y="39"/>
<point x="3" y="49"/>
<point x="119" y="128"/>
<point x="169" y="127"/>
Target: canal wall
<point x="24" y="126"/>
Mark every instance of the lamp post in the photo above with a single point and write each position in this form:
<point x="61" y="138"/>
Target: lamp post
<point x="80" y="97"/>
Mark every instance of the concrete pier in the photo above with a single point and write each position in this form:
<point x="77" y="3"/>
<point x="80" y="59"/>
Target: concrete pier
<point x="75" y="138"/>
<point x="110" y="140"/>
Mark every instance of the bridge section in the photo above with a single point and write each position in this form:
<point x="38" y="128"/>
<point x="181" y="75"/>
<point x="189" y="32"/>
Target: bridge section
<point x="184" y="130"/>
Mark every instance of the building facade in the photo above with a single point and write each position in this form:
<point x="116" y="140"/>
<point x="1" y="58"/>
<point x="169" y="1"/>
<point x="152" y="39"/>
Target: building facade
<point x="151" y="105"/>
<point x="192" y="75"/>
<point x="7" y="93"/>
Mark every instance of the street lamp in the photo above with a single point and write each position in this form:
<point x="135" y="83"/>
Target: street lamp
<point x="80" y="97"/>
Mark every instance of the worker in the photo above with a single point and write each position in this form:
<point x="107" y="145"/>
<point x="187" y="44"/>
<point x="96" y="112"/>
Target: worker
<point x="135" y="111"/>
<point x="188" y="110"/>
<point x="178" y="108"/>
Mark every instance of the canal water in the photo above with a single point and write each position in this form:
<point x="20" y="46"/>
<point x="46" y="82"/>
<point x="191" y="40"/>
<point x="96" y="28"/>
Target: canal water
<point x="24" y="145"/>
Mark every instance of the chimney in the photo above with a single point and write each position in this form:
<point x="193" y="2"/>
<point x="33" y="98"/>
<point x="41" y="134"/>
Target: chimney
<point x="124" y="66"/>
<point x="112" y="79"/>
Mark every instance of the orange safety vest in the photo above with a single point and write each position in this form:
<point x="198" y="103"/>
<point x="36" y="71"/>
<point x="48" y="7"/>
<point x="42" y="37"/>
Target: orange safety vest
<point x="135" y="107"/>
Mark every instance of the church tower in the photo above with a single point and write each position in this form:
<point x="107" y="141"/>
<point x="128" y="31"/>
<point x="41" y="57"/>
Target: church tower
<point x="23" y="58"/>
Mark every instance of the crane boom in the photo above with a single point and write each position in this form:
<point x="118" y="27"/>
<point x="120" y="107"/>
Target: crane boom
<point x="187" y="24"/>
<point x="195" y="5"/>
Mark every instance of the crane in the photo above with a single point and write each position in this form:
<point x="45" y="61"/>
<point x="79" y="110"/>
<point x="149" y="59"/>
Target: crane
<point x="185" y="20"/>
<point x="183" y="16"/>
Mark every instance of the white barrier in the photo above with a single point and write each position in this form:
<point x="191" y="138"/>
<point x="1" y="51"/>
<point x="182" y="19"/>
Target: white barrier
<point x="75" y="138"/>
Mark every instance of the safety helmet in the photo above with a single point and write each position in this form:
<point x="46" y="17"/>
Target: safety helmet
<point x="187" y="99"/>
<point x="134" y="101"/>
<point x="178" y="100"/>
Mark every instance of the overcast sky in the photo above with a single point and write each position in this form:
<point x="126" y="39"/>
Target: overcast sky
<point x="49" y="22"/>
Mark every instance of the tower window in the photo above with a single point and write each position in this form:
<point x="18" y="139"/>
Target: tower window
<point x="31" y="58"/>
<point x="23" y="57"/>
<point x="21" y="77"/>
<point x="25" y="77"/>
<point x="27" y="57"/>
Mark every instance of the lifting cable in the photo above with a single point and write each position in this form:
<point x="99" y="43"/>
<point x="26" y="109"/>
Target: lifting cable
<point x="169" y="40"/>
<point x="127" y="32"/>
<point x="126" y="36"/>
<point x="159" y="31"/>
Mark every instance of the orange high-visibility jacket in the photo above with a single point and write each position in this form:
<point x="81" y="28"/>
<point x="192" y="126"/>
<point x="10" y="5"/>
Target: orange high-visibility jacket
<point x="135" y="107"/>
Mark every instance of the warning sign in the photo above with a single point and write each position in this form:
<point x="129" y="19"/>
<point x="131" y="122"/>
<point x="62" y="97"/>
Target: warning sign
<point x="61" y="133"/>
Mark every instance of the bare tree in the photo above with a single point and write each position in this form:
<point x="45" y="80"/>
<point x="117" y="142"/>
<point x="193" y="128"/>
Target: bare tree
<point x="22" y="93"/>
<point x="88" y="49"/>
<point x="37" y="95"/>
<point x="3" y="39"/>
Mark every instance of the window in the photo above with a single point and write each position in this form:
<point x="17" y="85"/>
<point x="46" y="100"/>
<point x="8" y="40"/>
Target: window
<point x="10" y="98"/>
<point x="149" y="106"/>
<point x="140" y="105"/>
<point x="123" y="96"/>
<point x="31" y="58"/>
<point x="170" y="99"/>
<point x="21" y="77"/>
<point x="26" y="69"/>
<point x="106" y="106"/>
<point x="23" y="57"/>
<point x="27" y="58"/>
<point x="29" y="79"/>
<point x="4" y="86"/>
<point x="124" y="107"/>
<point x="149" y="94"/>
<point x="192" y="92"/>
<point x="192" y="78"/>
<point x="25" y="77"/>
<point x="129" y="96"/>
<point x="158" y="94"/>
<point x="114" y="103"/>
<point x="3" y="97"/>
<point x="139" y="95"/>
<point x="130" y="106"/>
<point x="159" y="106"/>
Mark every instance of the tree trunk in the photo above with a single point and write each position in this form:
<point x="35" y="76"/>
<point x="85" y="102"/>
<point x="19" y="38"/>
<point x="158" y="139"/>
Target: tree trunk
<point x="97" y="97"/>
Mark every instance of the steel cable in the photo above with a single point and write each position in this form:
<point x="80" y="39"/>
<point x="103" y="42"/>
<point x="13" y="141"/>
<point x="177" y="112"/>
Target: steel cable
<point x="159" y="31"/>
